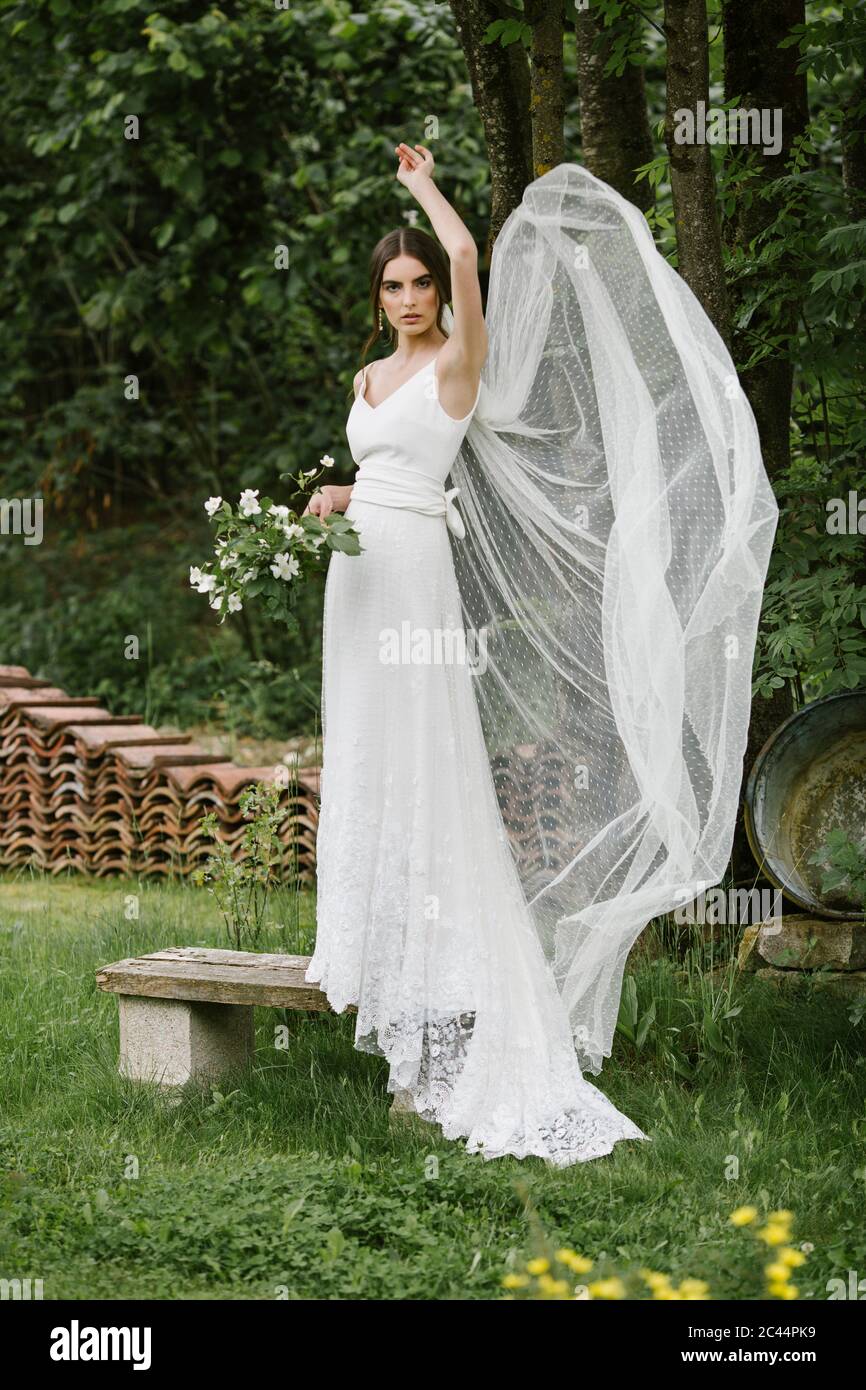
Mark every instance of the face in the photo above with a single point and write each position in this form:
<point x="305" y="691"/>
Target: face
<point x="408" y="289"/>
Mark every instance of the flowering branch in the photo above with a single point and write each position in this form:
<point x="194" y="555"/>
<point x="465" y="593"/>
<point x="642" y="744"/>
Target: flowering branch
<point x="263" y="547"/>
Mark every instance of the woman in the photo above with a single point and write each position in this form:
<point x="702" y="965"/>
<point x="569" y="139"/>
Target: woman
<point x="536" y="653"/>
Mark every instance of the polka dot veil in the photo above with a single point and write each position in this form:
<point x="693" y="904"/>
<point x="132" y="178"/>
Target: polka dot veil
<point x="618" y="524"/>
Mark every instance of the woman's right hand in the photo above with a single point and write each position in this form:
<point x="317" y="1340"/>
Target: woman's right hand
<point x="330" y="498"/>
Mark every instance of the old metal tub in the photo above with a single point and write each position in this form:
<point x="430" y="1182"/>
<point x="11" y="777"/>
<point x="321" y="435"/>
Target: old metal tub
<point x="808" y="779"/>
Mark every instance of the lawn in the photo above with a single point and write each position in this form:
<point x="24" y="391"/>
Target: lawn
<point x="291" y="1183"/>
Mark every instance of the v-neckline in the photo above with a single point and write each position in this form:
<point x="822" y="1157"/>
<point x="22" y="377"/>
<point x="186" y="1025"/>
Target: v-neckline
<point x="362" y="394"/>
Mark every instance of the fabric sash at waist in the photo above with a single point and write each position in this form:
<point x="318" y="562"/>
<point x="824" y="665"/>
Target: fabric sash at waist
<point x="388" y="485"/>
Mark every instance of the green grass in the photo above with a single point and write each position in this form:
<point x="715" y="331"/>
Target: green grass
<point x="290" y="1181"/>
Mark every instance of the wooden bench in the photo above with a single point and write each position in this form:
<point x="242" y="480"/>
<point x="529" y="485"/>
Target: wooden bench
<point x="186" y="1013"/>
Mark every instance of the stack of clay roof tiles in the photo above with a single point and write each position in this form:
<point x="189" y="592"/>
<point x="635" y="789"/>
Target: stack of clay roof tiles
<point x="83" y="789"/>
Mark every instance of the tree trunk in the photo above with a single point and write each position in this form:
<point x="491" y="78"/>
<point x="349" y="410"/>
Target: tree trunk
<point x="615" y="133"/>
<point x="764" y="77"/>
<point x="500" y="91"/>
<point x="854" y="152"/>
<point x="693" y="186"/>
<point x="547" y="100"/>
<point x="853" y="140"/>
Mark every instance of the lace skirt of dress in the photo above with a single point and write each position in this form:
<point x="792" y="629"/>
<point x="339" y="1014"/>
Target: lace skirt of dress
<point x="421" y="918"/>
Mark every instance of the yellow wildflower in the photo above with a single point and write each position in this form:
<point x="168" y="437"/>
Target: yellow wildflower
<point x="578" y="1264"/>
<point x="781" y="1218"/>
<point x="774" y="1234"/>
<point x="539" y="1265"/>
<point x="607" y="1288"/>
<point x="515" y="1281"/>
<point x="694" y="1288"/>
<point x="557" y="1288"/>
<point x="776" y="1272"/>
<point x="743" y="1215"/>
<point x="792" y="1257"/>
<point x="654" y="1279"/>
<point x="787" y="1291"/>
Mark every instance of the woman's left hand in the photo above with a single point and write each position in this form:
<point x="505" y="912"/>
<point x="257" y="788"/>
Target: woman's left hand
<point x="414" y="166"/>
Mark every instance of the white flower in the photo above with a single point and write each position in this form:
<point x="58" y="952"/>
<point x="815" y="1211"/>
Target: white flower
<point x="285" y="566"/>
<point x="250" y="574"/>
<point x="202" y="583"/>
<point x="212" y="504"/>
<point x="319" y="540"/>
<point x="293" y="531"/>
<point x="278" y="509"/>
<point x="310" y="473"/>
<point x="234" y="603"/>
<point x="216" y="601"/>
<point x="326" y="461"/>
<point x="248" y="503"/>
<point x="228" y="562"/>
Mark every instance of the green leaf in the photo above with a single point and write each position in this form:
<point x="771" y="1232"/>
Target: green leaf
<point x="645" y="1023"/>
<point x="713" y="1034"/>
<point x="682" y="1067"/>
<point x="348" y="545"/>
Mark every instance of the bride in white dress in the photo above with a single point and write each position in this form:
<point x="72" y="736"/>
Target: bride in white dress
<point x="422" y="921"/>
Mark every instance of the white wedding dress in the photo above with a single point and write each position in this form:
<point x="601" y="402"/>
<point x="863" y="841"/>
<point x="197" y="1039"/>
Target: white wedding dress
<point x="421" y="918"/>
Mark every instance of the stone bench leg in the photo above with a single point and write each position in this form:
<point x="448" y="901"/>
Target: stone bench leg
<point x="173" y="1041"/>
<point x="402" y="1109"/>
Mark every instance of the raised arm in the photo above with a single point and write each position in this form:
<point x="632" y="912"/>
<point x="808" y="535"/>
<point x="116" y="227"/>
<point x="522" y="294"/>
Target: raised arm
<point x="467" y="345"/>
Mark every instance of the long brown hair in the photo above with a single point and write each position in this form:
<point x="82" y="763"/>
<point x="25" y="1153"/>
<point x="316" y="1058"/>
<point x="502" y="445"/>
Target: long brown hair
<point x="406" y="241"/>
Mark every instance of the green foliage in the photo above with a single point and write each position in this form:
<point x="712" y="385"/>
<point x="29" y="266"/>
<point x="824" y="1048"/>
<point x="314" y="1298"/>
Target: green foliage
<point x="508" y="31"/>
<point x="158" y="258"/>
<point x="71" y="608"/>
<point x="844" y="864"/>
<point x="158" y="255"/>
<point x="813" y="631"/>
<point x="812" y="254"/>
<point x="241" y="886"/>
<point x="698" y="1046"/>
<point x="632" y="1023"/>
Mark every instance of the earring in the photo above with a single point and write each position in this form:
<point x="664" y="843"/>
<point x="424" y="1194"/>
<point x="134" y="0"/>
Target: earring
<point x="381" y="325"/>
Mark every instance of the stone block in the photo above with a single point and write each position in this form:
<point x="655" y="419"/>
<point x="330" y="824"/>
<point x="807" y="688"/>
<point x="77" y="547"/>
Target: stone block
<point x="803" y="942"/>
<point x="175" y="1041"/>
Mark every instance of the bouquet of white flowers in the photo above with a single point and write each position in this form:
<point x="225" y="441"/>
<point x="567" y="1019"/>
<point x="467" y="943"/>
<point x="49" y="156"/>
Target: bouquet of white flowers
<point x="263" y="549"/>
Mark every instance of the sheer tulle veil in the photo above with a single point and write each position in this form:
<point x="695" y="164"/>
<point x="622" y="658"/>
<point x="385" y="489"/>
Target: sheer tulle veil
<point x="618" y="526"/>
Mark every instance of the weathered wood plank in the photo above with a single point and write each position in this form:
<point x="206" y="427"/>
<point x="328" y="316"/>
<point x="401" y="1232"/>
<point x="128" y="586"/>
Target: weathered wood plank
<point x="242" y="960"/>
<point x="217" y="977"/>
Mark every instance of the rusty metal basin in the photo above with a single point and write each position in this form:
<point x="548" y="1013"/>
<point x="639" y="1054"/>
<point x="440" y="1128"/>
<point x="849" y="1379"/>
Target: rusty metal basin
<point x="810" y="778"/>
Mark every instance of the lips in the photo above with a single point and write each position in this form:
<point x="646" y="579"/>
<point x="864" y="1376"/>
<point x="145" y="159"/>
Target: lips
<point x="410" y="318"/>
